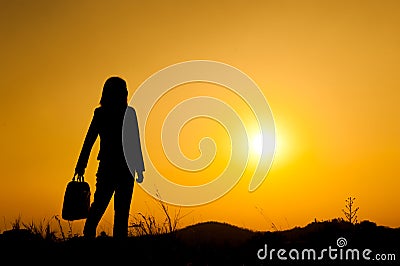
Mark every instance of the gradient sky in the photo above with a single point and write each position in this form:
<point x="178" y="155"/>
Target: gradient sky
<point x="329" y="70"/>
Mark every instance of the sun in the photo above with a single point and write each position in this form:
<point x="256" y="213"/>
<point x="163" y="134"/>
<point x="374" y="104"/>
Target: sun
<point x="256" y="144"/>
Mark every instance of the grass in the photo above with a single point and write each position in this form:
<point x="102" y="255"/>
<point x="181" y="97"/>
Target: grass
<point x="209" y="243"/>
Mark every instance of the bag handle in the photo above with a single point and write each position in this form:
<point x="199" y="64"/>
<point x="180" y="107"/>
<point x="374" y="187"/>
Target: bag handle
<point x="79" y="178"/>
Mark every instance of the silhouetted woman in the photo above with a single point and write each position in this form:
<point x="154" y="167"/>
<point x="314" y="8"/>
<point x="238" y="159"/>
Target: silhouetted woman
<point x="113" y="174"/>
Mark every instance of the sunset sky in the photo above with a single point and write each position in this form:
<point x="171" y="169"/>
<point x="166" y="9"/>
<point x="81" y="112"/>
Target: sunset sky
<point x="328" y="69"/>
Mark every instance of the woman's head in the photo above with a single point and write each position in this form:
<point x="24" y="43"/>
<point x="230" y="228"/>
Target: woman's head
<point x="115" y="93"/>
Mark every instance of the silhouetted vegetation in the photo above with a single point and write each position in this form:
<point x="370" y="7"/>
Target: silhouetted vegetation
<point x="147" y="224"/>
<point x="351" y="212"/>
<point x="210" y="243"/>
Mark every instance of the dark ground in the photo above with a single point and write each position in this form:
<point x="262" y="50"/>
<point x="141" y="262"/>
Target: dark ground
<point x="209" y="243"/>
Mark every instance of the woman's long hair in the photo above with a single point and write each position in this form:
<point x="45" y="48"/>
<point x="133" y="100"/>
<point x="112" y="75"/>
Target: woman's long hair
<point x="115" y="93"/>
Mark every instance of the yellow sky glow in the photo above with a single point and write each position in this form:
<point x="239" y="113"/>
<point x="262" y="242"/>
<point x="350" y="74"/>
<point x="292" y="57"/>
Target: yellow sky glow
<point x="328" y="69"/>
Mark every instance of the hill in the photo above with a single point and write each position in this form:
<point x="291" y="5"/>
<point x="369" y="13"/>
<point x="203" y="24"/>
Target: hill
<point x="214" y="243"/>
<point x="214" y="233"/>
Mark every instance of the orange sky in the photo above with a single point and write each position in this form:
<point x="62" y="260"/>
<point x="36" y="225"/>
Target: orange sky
<point x="329" y="70"/>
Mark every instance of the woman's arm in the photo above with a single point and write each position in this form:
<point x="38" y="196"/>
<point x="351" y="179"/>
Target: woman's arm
<point x="132" y="145"/>
<point x="137" y="146"/>
<point x="90" y="138"/>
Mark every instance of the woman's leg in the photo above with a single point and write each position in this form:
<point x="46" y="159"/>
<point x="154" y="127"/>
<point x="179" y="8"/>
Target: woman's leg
<point x="101" y="199"/>
<point x="122" y="204"/>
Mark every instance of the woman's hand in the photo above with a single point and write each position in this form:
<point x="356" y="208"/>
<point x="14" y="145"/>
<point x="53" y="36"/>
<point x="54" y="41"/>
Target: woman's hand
<point x="139" y="177"/>
<point x="79" y="173"/>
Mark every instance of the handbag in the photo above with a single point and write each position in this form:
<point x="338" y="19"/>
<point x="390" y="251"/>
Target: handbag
<point x="76" y="202"/>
